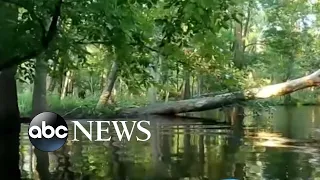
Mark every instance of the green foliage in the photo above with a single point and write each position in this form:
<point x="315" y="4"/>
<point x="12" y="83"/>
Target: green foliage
<point x="155" y="44"/>
<point x="74" y="107"/>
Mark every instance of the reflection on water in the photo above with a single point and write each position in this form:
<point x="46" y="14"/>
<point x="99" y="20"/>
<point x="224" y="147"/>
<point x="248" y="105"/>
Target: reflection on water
<point x="279" y="146"/>
<point x="9" y="156"/>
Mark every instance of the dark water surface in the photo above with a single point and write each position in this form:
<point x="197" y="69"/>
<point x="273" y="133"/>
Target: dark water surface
<point x="279" y="145"/>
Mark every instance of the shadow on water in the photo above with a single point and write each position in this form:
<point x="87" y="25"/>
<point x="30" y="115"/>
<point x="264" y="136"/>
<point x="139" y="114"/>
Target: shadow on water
<point x="271" y="146"/>
<point x="9" y="156"/>
<point x="42" y="165"/>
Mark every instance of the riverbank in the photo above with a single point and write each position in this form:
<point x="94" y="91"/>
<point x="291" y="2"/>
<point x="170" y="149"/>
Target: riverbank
<point x="75" y="108"/>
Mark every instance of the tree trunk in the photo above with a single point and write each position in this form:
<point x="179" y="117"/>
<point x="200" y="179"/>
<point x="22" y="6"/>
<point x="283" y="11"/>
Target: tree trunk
<point x="52" y="85"/>
<point x="102" y="81"/>
<point x="53" y="78"/>
<point x="49" y="82"/>
<point x="65" y="85"/>
<point x="9" y="125"/>
<point x="246" y="25"/>
<point x="290" y="64"/>
<point x="61" y="71"/>
<point x="200" y="85"/>
<point x="186" y="90"/>
<point x="193" y="86"/>
<point x="70" y="85"/>
<point x="60" y="84"/>
<point x="9" y="110"/>
<point x="39" y="99"/>
<point x="207" y="103"/>
<point x="104" y="98"/>
<point x="155" y="72"/>
<point x="91" y="84"/>
<point x="152" y="90"/>
<point x="238" y="49"/>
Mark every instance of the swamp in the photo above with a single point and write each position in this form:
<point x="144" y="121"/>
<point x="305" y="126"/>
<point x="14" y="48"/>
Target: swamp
<point x="230" y="87"/>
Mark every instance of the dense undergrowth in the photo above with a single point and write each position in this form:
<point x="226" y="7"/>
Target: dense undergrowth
<point x="74" y="107"/>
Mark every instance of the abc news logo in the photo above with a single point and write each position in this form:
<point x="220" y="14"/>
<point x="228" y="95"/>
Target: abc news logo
<point x="48" y="131"/>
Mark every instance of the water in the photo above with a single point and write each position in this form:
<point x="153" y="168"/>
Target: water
<point x="279" y="145"/>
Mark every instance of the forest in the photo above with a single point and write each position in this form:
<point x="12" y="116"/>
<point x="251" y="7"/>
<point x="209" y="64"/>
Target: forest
<point x="105" y="59"/>
<point x="101" y="58"/>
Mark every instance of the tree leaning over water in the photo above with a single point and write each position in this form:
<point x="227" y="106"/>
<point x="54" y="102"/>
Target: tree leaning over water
<point x="207" y="103"/>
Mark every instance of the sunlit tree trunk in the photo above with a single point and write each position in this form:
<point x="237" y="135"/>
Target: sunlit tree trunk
<point x="66" y="81"/>
<point x="70" y="85"/>
<point x="167" y="96"/>
<point x="107" y="91"/>
<point x="115" y="88"/>
<point x="49" y="81"/>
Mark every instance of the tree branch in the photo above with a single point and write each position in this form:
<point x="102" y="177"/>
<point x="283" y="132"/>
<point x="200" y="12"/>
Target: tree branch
<point x="31" y="12"/>
<point x="5" y="63"/>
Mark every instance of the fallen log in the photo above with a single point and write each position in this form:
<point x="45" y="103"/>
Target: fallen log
<point x="207" y="103"/>
<point x="210" y="94"/>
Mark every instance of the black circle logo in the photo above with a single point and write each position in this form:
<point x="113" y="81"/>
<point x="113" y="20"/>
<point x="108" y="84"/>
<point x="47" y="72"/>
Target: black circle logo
<point x="48" y="131"/>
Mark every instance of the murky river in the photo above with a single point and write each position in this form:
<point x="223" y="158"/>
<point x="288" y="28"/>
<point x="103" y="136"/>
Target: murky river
<point x="277" y="145"/>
